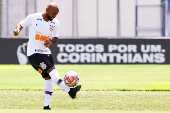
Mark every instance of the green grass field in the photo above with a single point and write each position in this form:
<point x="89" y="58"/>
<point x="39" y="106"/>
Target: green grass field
<point x="106" y="89"/>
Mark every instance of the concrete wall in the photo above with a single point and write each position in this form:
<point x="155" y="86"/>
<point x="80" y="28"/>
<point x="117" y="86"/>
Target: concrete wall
<point x="127" y="20"/>
<point x="88" y="17"/>
<point x="149" y="18"/>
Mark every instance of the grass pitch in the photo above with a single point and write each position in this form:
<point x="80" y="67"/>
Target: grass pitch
<point x="106" y="89"/>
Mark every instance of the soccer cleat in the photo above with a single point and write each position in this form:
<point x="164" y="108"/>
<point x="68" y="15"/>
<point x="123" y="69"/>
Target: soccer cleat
<point x="47" y="108"/>
<point x="73" y="91"/>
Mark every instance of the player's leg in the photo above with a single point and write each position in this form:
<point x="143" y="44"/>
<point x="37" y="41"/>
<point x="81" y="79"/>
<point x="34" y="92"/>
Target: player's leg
<point x="57" y="80"/>
<point x="71" y="91"/>
<point x="48" y="87"/>
<point x="45" y="65"/>
<point x="48" y="90"/>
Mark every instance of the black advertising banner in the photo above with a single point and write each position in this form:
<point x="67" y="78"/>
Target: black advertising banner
<point x="93" y="51"/>
<point x="113" y="51"/>
<point x="10" y="50"/>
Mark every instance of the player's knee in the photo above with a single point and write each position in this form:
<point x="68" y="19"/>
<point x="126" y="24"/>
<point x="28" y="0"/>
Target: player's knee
<point x="46" y="76"/>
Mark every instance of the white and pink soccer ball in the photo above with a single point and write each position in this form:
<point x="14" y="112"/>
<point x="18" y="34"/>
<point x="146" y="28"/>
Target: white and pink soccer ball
<point x="71" y="78"/>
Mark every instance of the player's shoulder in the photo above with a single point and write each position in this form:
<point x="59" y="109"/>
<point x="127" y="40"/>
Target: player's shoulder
<point x="35" y="15"/>
<point x="56" y="21"/>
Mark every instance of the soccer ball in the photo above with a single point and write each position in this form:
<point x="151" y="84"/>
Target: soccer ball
<point x="71" y="78"/>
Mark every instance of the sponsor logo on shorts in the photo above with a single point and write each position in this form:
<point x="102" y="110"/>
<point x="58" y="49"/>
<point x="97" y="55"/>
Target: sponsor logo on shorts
<point x="43" y="65"/>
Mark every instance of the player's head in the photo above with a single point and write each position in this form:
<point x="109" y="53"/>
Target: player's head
<point x="52" y="10"/>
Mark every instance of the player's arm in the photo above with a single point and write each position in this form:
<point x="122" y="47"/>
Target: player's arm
<point x="17" y="30"/>
<point x="24" y="23"/>
<point x="50" y="42"/>
<point x="55" y="35"/>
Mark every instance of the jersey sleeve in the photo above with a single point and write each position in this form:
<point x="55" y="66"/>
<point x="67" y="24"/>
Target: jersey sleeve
<point x="56" y="31"/>
<point x="27" y="21"/>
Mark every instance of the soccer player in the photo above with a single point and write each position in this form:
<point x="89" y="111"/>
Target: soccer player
<point x="43" y="33"/>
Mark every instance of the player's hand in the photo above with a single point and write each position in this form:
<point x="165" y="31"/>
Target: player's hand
<point x="48" y="43"/>
<point x="16" y="32"/>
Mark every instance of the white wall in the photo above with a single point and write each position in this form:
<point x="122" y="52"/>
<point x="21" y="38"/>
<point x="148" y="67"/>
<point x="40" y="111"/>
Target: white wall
<point x="87" y="22"/>
<point x="108" y="18"/>
<point x="87" y="17"/>
<point x="127" y="18"/>
<point x="149" y="22"/>
<point x="4" y="20"/>
<point x="14" y="15"/>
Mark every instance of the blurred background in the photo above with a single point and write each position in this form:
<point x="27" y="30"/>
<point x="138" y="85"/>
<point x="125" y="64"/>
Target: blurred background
<point x="93" y="18"/>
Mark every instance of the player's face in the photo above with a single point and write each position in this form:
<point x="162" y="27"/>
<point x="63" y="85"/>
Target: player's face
<point x="52" y="13"/>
